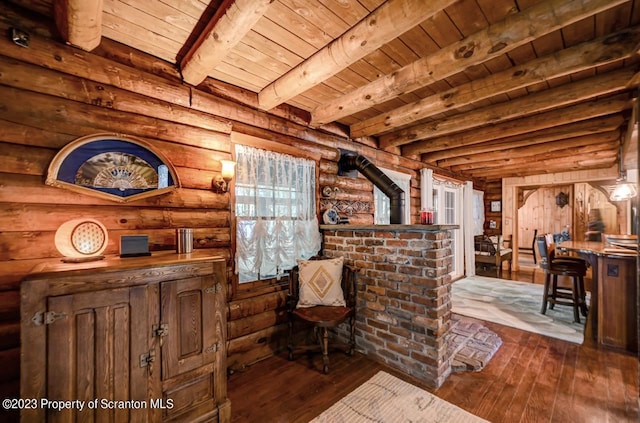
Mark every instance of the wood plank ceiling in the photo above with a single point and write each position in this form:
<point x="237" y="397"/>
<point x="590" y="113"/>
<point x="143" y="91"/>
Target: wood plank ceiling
<point x="487" y="88"/>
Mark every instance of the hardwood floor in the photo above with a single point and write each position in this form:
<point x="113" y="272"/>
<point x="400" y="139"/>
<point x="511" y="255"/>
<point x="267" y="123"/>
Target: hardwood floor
<point x="531" y="378"/>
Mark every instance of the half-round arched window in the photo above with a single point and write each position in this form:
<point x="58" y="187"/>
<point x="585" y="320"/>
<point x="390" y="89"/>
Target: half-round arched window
<point x="112" y="166"/>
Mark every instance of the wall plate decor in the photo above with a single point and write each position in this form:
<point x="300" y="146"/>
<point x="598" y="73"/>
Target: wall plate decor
<point x="562" y="199"/>
<point x="112" y="166"/>
<point x="330" y="217"/>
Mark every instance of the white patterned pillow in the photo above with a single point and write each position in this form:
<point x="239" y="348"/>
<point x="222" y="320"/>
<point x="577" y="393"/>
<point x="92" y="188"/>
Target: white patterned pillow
<point x="320" y="282"/>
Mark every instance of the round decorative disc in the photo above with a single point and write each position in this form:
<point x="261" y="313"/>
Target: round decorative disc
<point x="88" y="238"/>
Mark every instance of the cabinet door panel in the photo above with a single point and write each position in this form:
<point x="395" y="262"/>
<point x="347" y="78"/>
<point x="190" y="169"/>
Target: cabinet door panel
<point x="94" y="333"/>
<point x="90" y="353"/>
<point x="189" y="309"/>
<point x="187" y="306"/>
<point x="617" y="320"/>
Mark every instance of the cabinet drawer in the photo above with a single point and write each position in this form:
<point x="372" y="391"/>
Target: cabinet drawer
<point x="197" y="393"/>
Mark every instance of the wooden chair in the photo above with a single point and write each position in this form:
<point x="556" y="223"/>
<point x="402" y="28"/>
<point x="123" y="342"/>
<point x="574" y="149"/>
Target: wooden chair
<point x="322" y="318"/>
<point x="554" y="266"/>
<point x="491" y="251"/>
<point x="533" y="246"/>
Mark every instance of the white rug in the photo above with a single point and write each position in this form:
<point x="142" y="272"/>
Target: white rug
<point x="515" y="304"/>
<point x="386" y="399"/>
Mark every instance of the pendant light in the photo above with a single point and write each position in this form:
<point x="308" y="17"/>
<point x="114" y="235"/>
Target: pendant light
<point x="623" y="189"/>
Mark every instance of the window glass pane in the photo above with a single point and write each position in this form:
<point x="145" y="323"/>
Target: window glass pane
<point x="382" y="204"/>
<point x="436" y="207"/>
<point x="449" y="207"/>
<point x="382" y="213"/>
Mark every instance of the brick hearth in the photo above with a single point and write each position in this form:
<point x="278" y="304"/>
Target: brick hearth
<point x="404" y="310"/>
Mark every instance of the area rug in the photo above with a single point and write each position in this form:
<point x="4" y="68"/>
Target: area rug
<point x="386" y="399"/>
<point x="514" y="304"/>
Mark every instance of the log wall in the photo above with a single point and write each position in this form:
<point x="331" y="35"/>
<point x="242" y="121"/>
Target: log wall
<point x="51" y="94"/>
<point x="492" y="192"/>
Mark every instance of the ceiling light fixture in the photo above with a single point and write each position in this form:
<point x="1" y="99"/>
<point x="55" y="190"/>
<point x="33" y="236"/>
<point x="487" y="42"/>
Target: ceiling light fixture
<point x="623" y="190"/>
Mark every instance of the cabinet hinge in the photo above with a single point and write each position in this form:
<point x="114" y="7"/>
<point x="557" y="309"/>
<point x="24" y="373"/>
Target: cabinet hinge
<point x="46" y="317"/>
<point x="161" y="330"/>
<point x="147" y="358"/>
<point x="213" y="289"/>
<point x="213" y="348"/>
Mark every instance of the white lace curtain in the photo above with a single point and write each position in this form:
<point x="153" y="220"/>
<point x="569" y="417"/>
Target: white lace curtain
<point x="276" y="219"/>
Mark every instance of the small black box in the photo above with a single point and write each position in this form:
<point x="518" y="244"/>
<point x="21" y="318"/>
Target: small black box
<point x="134" y="245"/>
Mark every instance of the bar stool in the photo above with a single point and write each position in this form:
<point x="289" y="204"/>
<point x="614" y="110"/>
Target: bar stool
<point x="574" y="268"/>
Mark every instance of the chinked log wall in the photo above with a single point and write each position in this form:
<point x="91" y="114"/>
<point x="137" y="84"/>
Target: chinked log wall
<point x="51" y="93"/>
<point x="404" y="301"/>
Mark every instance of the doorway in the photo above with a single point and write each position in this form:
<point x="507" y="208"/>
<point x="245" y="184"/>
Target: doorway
<point x="544" y="210"/>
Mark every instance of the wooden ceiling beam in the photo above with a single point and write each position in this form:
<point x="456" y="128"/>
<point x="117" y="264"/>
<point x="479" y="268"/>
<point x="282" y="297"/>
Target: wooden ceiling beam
<point x="538" y="102"/>
<point x="564" y="164"/>
<point x="233" y="20"/>
<point x="387" y="22"/>
<point x="608" y="49"/>
<point x="457" y="155"/>
<point x="523" y="126"/>
<point x="499" y="38"/>
<point x="591" y="145"/>
<point x="79" y="22"/>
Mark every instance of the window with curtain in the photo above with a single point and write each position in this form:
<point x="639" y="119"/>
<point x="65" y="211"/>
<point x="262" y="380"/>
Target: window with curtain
<point x="382" y="210"/>
<point x="275" y="209"/>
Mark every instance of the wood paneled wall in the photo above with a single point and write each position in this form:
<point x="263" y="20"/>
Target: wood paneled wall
<point x="614" y="214"/>
<point x="515" y="192"/>
<point x="51" y="93"/>
<point x="541" y="212"/>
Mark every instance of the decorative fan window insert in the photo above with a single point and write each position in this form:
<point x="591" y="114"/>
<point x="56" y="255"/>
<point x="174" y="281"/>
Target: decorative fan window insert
<point x="118" y="170"/>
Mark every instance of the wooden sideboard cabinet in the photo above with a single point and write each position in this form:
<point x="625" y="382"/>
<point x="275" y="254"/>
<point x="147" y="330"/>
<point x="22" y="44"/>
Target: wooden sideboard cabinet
<point x="133" y="339"/>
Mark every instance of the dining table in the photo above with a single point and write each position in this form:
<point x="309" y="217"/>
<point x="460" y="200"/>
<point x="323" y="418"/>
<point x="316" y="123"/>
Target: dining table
<point x="613" y="310"/>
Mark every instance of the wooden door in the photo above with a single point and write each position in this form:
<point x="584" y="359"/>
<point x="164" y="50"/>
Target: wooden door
<point x="187" y="307"/>
<point x="93" y="353"/>
<point x="193" y="351"/>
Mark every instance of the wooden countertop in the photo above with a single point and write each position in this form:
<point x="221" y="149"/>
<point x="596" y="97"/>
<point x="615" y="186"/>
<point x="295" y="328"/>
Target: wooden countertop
<point x="394" y="227"/>
<point x="597" y="248"/>
<point x="115" y="263"/>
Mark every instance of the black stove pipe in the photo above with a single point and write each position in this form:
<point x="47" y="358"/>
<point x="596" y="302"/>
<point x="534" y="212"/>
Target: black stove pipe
<point x="350" y="160"/>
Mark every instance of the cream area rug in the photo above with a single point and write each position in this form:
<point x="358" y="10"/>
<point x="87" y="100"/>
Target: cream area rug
<point x="386" y="399"/>
<point x="514" y="304"/>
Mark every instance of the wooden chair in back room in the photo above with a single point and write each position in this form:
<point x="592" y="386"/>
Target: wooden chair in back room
<point x="322" y="295"/>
